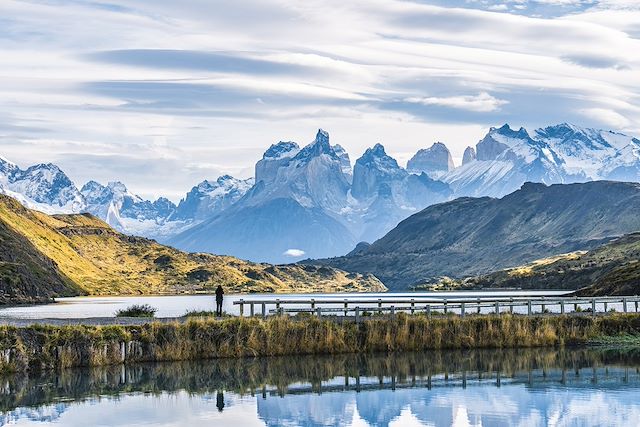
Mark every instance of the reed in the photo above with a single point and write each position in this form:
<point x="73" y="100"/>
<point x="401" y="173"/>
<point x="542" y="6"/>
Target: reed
<point x="45" y="347"/>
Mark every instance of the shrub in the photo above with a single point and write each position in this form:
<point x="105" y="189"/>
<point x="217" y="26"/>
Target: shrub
<point x="137" y="310"/>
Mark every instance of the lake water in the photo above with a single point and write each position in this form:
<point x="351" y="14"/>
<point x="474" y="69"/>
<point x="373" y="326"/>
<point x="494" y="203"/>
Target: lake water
<point x="577" y="387"/>
<point x="175" y="306"/>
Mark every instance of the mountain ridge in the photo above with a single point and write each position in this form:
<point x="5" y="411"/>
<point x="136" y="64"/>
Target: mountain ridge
<point x="471" y="236"/>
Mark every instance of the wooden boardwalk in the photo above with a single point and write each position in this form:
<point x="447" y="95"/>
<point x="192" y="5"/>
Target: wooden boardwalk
<point x="359" y="307"/>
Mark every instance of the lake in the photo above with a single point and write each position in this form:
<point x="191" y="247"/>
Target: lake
<point x="533" y="387"/>
<point x="175" y="306"/>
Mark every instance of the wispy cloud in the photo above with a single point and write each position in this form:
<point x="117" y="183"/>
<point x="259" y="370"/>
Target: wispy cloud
<point x="217" y="82"/>
<point x="482" y="102"/>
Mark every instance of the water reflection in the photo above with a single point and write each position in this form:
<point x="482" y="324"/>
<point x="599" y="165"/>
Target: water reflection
<point x="515" y="387"/>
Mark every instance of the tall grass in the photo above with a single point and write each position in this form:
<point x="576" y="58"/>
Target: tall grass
<point x="39" y="347"/>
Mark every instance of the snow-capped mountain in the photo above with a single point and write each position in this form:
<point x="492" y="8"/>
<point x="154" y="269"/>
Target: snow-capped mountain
<point x="434" y="160"/>
<point x="128" y="212"/>
<point x="597" y="154"/>
<point x="294" y="208"/>
<point x="43" y="186"/>
<point x="308" y="200"/>
<point x="387" y="193"/>
<point x="210" y="198"/>
<point x="505" y="159"/>
<point x="47" y="188"/>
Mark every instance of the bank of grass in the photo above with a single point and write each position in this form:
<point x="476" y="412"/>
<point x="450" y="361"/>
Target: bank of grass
<point x="42" y="347"/>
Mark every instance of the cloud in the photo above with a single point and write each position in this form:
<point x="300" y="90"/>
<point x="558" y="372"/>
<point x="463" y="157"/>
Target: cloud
<point x="596" y="61"/>
<point x="606" y="117"/>
<point x="482" y="102"/>
<point x="213" y="83"/>
<point x="294" y="253"/>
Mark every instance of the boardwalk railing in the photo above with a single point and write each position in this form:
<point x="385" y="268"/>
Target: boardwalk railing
<point x="432" y="306"/>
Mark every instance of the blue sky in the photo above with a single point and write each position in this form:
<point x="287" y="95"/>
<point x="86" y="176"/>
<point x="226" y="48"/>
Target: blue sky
<point x="162" y="94"/>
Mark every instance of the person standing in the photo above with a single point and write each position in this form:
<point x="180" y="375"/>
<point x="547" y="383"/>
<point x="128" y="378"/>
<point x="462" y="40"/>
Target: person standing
<point x="219" y="298"/>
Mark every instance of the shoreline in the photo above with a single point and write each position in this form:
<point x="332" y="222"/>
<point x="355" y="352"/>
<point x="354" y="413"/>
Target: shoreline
<point x="42" y="347"/>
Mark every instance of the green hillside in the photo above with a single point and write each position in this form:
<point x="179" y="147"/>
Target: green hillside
<point x="43" y="256"/>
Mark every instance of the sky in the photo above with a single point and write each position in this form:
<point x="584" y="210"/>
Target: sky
<point x="163" y="94"/>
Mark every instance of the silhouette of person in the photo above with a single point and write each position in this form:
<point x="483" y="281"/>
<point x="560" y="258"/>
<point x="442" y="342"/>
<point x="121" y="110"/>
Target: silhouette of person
<point x="219" y="298"/>
<point x="220" y="401"/>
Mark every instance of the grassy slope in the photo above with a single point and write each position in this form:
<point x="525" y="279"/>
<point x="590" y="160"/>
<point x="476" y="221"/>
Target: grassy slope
<point x="611" y="269"/>
<point x="95" y="259"/>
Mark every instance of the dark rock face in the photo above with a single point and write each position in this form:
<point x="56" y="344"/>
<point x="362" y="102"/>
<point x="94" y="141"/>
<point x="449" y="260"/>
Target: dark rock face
<point x="470" y="236"/>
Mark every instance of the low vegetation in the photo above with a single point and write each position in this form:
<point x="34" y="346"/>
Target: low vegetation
<point x="142" y="310"/>
<point x="610" y="269"/>
<point x="41" y="347"/>
<point x="43" y="256"/>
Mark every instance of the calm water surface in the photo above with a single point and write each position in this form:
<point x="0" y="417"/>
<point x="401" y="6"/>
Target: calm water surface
<point x="175" y="306"/>
<point x="576" y="387"/>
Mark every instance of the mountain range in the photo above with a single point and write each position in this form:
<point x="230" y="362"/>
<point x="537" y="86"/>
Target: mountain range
<point x="309" y="202"/>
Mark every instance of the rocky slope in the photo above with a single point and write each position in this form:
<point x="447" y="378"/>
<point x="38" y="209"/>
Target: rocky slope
<point x="610" y="269"/>
<point x="43" y="256"/>
<point x="472" y="236"/>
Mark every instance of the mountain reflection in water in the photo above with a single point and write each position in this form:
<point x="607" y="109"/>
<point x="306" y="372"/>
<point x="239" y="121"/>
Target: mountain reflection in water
<point x="480" y="387"/>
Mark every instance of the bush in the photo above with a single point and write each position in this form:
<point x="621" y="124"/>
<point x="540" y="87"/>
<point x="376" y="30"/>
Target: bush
<point x="142" y="310"/>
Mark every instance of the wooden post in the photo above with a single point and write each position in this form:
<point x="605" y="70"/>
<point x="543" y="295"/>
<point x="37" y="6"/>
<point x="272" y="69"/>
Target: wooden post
<point x="346" y="307"/>
<point x="542" y="306"/>
<point x="478" y="305"/>
<point x="241" y="307"/>
<point x="413" y="306"/>
<point x="278" y="306"/>
<point x="497" y="307"/>
<point x="636" y="305"/>
<point x="593" y="306"/>
<point x="357" y="314"/>
<point x="462" y="309"/>
<point x="624" y="304"/>
<point x="445" y="306"/>
<point x="393" y="312"/>
<point x="264" y="310"/>
<point x="511" y="305"/>
<point x="251" y="309"/>
<point x="428" y="308"/>
<point x="319" y="312"/>
<point x="313" y="304"/>
<point x="379" y="306"/>
<point x="606" y="305"/>
<point x="529" y="307"/>
<point x="561" y="306"/>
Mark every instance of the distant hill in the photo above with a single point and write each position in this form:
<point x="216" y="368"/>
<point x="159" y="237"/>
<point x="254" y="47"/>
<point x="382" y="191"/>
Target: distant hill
<point x="62" y="255"/>
<point x="610" y="269"/>
<point x="474" y="236"/>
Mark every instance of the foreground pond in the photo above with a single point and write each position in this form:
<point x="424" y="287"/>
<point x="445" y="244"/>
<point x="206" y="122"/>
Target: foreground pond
<point x="567" y="387"/>
<point x="178" y="305"/>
